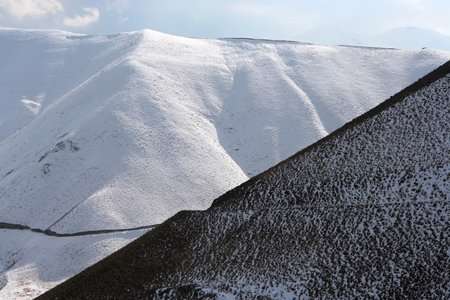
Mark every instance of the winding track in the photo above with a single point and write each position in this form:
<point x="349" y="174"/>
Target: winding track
<point x="48" y="232"/>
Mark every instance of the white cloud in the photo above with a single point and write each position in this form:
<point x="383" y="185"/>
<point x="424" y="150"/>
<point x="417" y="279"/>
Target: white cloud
<point x="90" y="16"/>
<point x="30" y="8"/>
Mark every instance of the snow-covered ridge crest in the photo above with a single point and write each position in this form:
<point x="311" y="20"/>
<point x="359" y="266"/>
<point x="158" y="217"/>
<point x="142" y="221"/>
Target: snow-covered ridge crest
<point x="124" y="130"/>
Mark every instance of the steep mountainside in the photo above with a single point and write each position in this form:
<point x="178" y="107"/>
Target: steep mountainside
<point x="126" y="130"/>
<point x="122" y="131"/>
<point x="363" y="213"/>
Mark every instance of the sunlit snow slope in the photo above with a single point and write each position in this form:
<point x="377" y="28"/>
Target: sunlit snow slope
<point x="120" y="131"/>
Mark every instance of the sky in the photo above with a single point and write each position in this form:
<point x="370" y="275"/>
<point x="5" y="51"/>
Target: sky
<point x="397" y="23"/>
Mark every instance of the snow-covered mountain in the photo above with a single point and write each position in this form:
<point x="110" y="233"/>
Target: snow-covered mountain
<point x="362" y="214"/>
<point x="122" y="131"/>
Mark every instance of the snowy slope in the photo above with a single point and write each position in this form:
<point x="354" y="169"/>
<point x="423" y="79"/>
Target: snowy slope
<point x="362" y="214"/>
<point x="145" y="124"/>
<point x="31" y="263"/>
<point x="125" y="130"/>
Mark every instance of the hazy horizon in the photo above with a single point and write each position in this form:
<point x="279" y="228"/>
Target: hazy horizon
<point x="396" y="23"/>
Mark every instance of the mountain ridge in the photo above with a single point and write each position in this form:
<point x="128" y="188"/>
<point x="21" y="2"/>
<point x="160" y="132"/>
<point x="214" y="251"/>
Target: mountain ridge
<point x="180" y="259"/>
<point x="124" y="130"/>
<point x="422" y="82"/>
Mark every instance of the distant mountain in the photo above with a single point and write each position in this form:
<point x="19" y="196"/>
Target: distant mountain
<point x="363" y="213"/>
<point x="103" y="136"/>
<point x="402" y="38"/>
<point x="413" y="38"/>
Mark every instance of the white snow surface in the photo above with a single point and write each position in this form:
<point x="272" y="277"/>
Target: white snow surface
<point x="32" y="263"/>
<point x="125" y="130"/>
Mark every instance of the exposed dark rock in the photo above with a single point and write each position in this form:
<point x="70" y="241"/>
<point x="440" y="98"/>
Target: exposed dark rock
<point x="61" y="146"/>
<point x="8" y="173"/>
<point x="46" y="168"/>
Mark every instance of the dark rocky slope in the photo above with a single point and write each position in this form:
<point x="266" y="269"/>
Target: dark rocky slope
<point x="363" y="213"/>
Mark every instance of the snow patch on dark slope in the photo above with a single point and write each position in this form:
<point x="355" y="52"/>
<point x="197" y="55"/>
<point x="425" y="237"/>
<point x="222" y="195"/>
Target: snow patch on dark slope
<point x="363" y="213"/>
<point x="125" y="130"/>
